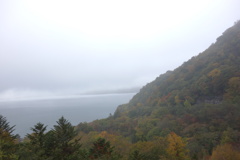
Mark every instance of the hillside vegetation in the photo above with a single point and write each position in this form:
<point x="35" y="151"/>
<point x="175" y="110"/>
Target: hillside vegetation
<point x="192" y="112"/>
<point x="199" y="101"/>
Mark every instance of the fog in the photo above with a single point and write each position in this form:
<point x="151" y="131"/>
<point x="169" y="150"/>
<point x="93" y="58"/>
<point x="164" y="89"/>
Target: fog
<point x="51" y="47"/>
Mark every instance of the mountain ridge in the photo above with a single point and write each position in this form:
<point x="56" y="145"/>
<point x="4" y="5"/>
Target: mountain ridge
<point x="200" y="61"/>
<point x="199" y="101"/>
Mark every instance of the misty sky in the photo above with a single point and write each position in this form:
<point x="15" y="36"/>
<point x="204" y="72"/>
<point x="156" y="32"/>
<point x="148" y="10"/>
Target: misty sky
<point x="73" y="46"/>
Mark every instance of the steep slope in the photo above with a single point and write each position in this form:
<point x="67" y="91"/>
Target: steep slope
<point x="200" y="100"/>
<point x="204" y="77"/>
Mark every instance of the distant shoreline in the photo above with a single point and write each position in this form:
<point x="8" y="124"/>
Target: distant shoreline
<point x="72" y="96"/>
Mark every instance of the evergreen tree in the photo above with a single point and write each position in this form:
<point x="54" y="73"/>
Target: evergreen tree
<point x="7" y="140"/>
<point x="5" y="127"/>
<point x="67" y="148"/>
<point x="101" y="149"/>
<point x="37" y="142"/>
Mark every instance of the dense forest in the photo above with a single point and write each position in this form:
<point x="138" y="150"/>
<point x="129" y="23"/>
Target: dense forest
<point x="192" y="112"/>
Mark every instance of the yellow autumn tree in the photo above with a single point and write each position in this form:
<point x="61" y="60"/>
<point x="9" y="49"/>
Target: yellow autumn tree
<point x="176" y="149"/>
<point x="225" y="152"/>
<point x="121" y="144"/>
<point x="214" y="73"/>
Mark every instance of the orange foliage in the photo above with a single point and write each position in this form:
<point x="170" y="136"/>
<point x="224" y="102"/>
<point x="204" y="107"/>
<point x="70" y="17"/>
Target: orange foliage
<point x="225" y="152"/>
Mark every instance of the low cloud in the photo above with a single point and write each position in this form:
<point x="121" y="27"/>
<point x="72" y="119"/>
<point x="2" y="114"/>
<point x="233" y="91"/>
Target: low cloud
<point x="16" y="94"/>
<point x="45" y="52"/>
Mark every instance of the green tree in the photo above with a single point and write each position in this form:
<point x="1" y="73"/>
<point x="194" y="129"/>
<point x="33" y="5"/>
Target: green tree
<point x="37" y="141"/>
<point x="233" y="91"/>
<point x="57" y="144"/>
<point x="67" y="147"/>
<point x="37" y="137"/>
<point x="136" y="155"/>
<point x="5" y="127"/>
<point x="230" y="136"/>
<point x="101" y="149"/>
<point x="7" y="140"/>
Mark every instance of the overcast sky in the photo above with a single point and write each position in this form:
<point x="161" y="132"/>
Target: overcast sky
<point x="74" y="46"/>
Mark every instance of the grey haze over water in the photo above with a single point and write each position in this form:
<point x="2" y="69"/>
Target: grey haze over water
<point x="82" y="108"/>
<point x="56" y="47"/>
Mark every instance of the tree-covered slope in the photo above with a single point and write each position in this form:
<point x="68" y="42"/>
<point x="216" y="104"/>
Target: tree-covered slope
<point x="203" y="77"/>
<point x="200" y="101"/>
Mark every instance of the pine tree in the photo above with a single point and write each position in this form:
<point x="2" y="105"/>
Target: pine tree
<point x="67" y="148"/>
<point x="7" y="140"/>
<point x="37" y="142"/>
<point x="101" y="149"/>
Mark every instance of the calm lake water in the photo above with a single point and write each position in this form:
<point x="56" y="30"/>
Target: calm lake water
<point x="25" y="114"/>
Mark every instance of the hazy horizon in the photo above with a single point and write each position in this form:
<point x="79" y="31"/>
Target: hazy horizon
<point x="15" y="96"/>
<point x="50" y="48"/>
<point x="25" y="114"/>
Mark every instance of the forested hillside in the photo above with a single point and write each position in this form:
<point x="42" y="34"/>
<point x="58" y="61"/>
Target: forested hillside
<point x="192" y="112"/>
<point x="208" y="76"/>
<point x="198" y="101"/>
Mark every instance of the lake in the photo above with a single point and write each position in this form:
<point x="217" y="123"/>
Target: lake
<point x="81" y="108"/>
